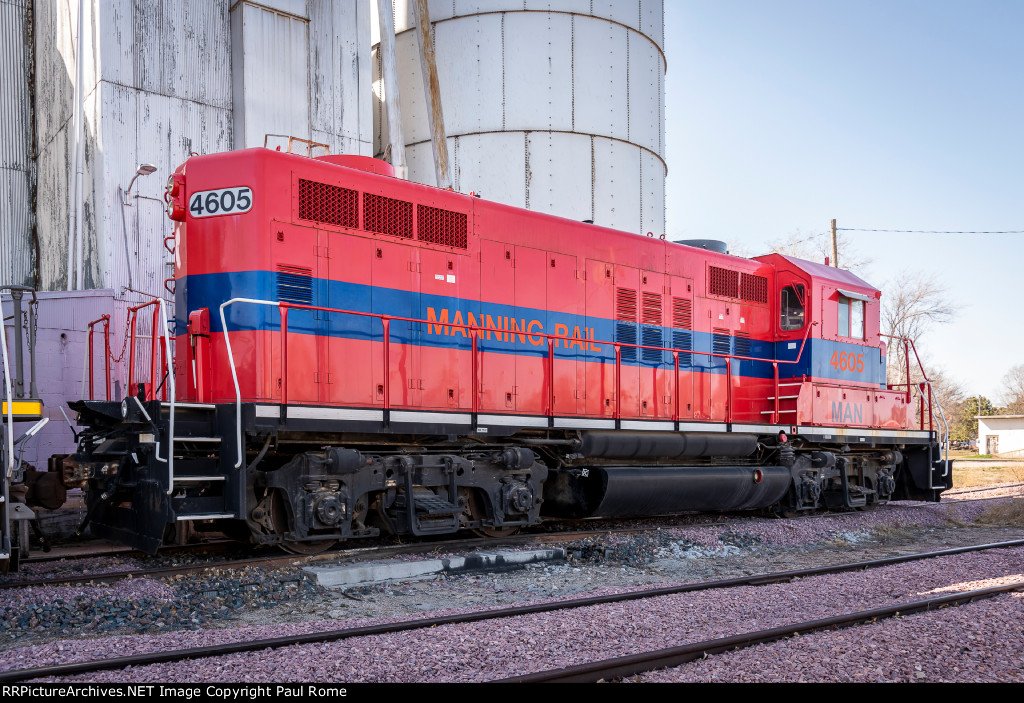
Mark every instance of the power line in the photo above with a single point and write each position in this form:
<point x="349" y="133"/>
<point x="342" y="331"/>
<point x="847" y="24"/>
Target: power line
<point x="929" y="231"/>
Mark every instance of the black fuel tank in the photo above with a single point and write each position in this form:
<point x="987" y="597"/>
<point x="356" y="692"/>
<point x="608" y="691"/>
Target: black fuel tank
<point x="614" y="491"/>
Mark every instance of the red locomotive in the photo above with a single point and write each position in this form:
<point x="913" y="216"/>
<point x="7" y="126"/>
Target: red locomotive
<point x="356" y="353"/>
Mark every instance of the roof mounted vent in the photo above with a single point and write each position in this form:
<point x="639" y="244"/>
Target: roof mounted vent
<point x="715" y="245"/>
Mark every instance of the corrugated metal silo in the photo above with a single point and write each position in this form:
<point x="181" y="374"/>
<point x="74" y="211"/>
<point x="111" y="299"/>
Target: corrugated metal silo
<point x="554" y="106"/>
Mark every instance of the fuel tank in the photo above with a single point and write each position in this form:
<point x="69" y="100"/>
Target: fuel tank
<point x="621" y="491"/>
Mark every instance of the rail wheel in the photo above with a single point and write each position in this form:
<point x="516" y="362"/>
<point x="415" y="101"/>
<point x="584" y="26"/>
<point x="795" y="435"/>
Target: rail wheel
<point x="478" y="512"/>
<point x="279" y="518"/>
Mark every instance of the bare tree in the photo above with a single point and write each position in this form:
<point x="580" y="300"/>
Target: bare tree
<point x="911" y="305"/>
<point x="815" y="247"/>
<point x="1013" y="391"/>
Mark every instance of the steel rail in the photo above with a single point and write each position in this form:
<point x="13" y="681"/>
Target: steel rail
<point x="15" y="675"/>
<point x="635" y="664"/>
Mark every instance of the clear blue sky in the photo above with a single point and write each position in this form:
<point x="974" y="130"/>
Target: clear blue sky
<point x="890" y="114"/>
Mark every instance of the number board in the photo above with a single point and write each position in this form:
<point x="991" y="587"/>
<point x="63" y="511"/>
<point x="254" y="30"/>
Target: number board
<point x="225" y="201"/>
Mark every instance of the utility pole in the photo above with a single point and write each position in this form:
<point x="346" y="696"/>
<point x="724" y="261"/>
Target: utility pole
<point x="835" y="246"/>
<point x="432" y="90"/>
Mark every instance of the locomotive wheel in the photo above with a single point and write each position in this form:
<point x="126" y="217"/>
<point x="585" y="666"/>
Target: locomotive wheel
<point x="279" y="517"/>
<point x="477" y="512"/>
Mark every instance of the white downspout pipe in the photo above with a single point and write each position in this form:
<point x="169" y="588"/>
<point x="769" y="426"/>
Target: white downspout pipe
<point x="75" y="247"/>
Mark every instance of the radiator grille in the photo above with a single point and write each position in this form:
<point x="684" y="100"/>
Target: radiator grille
<point x="319" y="202"/>
<point x="443" y="227"/>
<point x="723" y="282"/>
<point x="754" y="288"/>
<point x="650" y="313"/>
<point x="387" y="216"/>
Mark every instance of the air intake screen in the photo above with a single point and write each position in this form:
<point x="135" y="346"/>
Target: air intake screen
<point x="331" y="205"/>
<point x="754" y="288"/>
<point x="723" y="282"/>
<point x="387" y="216"/>
<point x="442" y="227"/>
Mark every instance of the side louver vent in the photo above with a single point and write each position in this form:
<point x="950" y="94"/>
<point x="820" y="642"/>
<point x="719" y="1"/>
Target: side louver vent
<point x="720" y="341"/>
<point x="742" y="344"/>
<point x="625" y="325"/>
<point x="682" y="323"/>
<point x="295" y="284"/>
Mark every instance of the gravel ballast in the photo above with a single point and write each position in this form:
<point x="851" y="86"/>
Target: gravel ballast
<point x="271" y="604"/>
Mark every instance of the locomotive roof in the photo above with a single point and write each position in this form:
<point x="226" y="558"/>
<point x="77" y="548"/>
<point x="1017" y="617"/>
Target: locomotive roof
<point x="821" y="272"/>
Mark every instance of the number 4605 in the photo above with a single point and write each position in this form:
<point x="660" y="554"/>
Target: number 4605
<point x="226" y="201"/>
<point x="848" y="361"/>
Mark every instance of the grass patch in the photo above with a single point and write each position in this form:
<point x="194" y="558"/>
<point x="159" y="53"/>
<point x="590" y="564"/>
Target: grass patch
<point x="889" y="534"/>
<point x="971" y="476"/>
<point x="1008" y="514"/>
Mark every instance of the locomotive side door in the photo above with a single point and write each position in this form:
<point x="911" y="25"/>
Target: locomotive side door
<point x="445" y="351"/>
<point x="497" y="290"/>
<point x="396" y="292"/>
<point x="298" y="277"/>
<point x="349" y="338"/>
<point x="531" y="298"/>
<point x="566" y="320"/>
<point x="656" y="386"/>
<point x="680" y="319"/>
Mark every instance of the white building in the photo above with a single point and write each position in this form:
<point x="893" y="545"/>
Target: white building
<point x="1002" y="435"/>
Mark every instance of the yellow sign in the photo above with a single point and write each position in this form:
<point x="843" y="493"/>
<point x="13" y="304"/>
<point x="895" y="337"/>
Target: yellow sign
<point x="23" y="409"/>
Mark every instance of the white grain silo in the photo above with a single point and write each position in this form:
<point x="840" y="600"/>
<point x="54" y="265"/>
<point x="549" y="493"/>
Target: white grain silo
<point x="554" y="106"/>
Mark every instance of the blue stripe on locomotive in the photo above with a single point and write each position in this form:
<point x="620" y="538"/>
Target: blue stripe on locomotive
<point x="211" y="290"/>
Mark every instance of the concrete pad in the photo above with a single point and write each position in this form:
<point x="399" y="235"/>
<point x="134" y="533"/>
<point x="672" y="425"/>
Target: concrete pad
<point x="395" y="570"/>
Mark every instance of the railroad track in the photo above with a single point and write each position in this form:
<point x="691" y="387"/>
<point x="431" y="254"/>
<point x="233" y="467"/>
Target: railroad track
<point x="635" y="664"/>
<point x="624" y="666"/>
<point x="548" y="534"/>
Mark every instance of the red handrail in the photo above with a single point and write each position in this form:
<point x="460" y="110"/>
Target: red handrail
<point x="552" y="339"/>
<point x="908" y="344"/>
<point x="105" y="319"/>
<point x="133" y="314"/>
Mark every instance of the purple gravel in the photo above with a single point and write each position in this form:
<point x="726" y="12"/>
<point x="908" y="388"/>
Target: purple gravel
<point x="979" y="642"/>
<point x="494" y="649"/>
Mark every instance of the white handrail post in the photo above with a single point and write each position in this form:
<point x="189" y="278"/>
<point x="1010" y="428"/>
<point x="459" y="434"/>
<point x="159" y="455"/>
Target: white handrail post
<point x="172" y="392"/>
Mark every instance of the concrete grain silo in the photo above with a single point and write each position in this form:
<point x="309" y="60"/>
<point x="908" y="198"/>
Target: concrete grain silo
<point x="553" y="106"/>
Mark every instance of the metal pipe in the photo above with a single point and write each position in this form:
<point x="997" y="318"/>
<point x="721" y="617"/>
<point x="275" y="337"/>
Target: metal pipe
<point x="10" y="417"/>
<point x="172" y="392"/>
<point x="389" y="69"/>
<point x="728" y="389"/>
<point x="284" y="353"/>
<point x="551" y="377"/>
<point x="33" y="389"/>
<point x="676" y="387"/>
<point x="19" y="359"/>
<point x="74" y="190"/>
<point x="387" y="365"/>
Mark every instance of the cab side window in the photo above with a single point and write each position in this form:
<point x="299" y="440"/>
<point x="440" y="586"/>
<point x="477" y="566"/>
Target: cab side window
<point x="791" y="308"/>
<point x="851" y="318"/>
